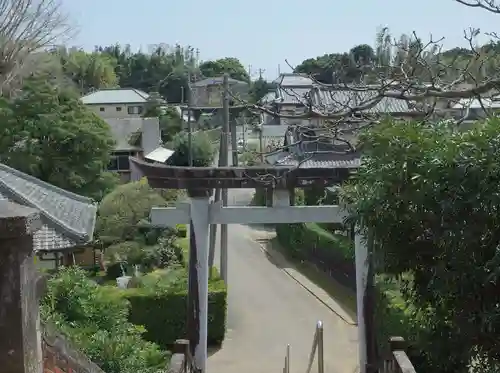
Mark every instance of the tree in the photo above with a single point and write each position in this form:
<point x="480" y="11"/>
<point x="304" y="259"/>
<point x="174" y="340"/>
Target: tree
<point x="89" y="71"/>
<point x="171" y="124"/>
<point x="227" y="65"/>
<point x="48" y="133"/>
<point x="121" y="211"/>
<point x="27" y="26"/>
<point x="202" y="150"/>
<point x="95" y="319"/>
<point x="428" y="195"/>
<point x="259" y="89"/>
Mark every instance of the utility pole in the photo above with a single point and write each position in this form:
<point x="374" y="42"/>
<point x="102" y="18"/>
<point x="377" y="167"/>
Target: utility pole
<point x="217" y="198"/>
<point x="232" y="126"/>
<point x="190" y="130"/>
<point x="261" y="145"/>
<point x="192" y="322"/>
<point x="224" y="157"/>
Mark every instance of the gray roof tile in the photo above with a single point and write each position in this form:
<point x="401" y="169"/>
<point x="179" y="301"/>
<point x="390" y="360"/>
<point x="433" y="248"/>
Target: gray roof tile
<point x="216" y="81"/>
<point x="116" y="96"/>
<point x="68" y="219"/>
<point x="292" y="96"/>
<point x="335" y="100"/>
<point x="294" y="80"/>
<point x="315" y="154"/>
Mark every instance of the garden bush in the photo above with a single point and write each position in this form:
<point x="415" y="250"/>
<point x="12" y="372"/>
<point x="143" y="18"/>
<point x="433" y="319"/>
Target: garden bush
<point x="160" y="305"/>
<point x="95" y="319"/>
<point x="307" y="240"/>
<point x="332" y="253"/>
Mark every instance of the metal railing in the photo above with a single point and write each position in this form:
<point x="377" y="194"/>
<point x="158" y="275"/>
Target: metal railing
<point x="317" y="345"/>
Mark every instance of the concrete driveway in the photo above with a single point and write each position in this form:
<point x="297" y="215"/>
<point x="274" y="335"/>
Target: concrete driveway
<point x="268" y="310"/>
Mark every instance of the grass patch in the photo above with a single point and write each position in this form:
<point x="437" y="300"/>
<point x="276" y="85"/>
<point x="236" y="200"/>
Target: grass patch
<point x="183" y="243"/>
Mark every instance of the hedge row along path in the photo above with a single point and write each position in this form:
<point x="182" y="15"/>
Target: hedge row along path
<point x="268" y="310"/>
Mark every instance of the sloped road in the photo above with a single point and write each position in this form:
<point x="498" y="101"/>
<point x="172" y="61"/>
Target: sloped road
<point x="268" y="310"/>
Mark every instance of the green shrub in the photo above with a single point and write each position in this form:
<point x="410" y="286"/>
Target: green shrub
<point x="95" y="319"/>
<point x="160" y="305"/>
<point x="121" y="211"/>
<point x="202" y="150"/>
<point x="303" y="240"/>
<point x="259" y="198"/>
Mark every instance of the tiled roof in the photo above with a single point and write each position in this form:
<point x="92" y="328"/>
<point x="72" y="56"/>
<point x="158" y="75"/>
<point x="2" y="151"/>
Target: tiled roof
<point x="294" y="80"/>
<point x="322" y="153"/>
<point x="474" y="103"/>
<point x="292" y="96"/>
<point x="324" y="160"/>
<point x="116" y="96"/>
<point x="268" y="97"/>
<point x="330" y="100"/>
<point x="68" y="219"/>
<point x="216" y="81"/>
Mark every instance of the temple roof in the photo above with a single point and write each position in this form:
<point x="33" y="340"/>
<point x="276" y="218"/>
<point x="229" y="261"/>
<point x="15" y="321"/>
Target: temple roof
<point x="68" y="219"/>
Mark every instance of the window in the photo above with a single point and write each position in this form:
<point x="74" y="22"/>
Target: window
<point x="120" y="161"/>
<point x="102" y="109"/>
<point x="118" y="108"/>
<point x="135" y="110"/>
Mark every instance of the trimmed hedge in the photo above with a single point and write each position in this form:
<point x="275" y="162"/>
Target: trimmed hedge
<point x="332" y="253"/>
<point x="162" y="311"/>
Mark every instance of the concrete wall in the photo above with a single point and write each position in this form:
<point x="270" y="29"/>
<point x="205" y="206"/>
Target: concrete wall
<point x="117" y="111"/>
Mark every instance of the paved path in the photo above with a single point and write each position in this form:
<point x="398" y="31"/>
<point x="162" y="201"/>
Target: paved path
<point x="268" y="310"/>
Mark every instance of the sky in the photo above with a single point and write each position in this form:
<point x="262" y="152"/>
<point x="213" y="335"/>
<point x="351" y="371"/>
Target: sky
<point x="262" y="34"/>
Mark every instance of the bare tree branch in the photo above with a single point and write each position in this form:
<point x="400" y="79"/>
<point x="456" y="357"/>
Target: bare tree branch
<point x="489" y="5"/>
<point x="27" y="26"/>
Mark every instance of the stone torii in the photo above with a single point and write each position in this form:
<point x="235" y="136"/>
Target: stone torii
<point x="200" y="213"/>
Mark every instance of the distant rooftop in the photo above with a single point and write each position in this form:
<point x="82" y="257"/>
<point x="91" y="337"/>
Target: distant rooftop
<point x="216" y="81"/>
<point x="294" y="80"/>
<point x="116" y="96"/>
<point x="474" y="103"/>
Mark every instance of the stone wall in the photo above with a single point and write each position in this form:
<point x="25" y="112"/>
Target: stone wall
<point x="59" y="356"/>
<point x="26" y="346"/>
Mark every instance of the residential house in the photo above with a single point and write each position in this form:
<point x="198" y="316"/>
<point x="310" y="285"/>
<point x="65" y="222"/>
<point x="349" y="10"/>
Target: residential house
<point x="134" y="137"/>
<point x="208" y="93"/>
<point x="68" y="219"/>
<point x="313" y="145"/>
<point x="341" y="99"/>
<point x="289" y="98"/>
<point x="117" y="102"/>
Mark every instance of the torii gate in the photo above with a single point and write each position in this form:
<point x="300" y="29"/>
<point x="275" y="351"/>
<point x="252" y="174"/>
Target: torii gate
<point x="200" y="213"/>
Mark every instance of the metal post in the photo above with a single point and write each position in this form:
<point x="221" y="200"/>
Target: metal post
<point x="234" y="141"/>
<point x="243" y="136"/>
<point x="224" y="158"/>
<point x="261" y="145"/>
<point x="321" y="357"/>
<point x="287" y="364"/>
<point x="217" y="198"/>
<point x="190" y="130"/>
